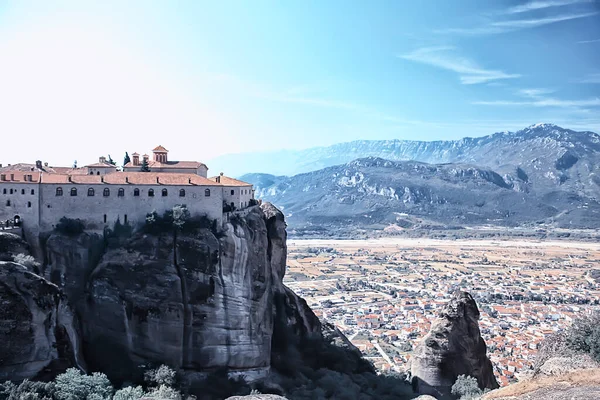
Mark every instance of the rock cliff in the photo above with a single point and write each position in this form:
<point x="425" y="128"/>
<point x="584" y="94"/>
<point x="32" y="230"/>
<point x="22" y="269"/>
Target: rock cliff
<point x="452" y="347"/>
<point x="197" y="300"/>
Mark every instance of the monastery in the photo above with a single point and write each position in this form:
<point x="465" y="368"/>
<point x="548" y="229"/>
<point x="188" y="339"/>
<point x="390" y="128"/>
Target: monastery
<point x="37" y="196"/>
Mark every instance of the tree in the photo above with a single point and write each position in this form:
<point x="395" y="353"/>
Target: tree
<point x="111" y="161"/>
<point x="145" y="166"/>
<point x="126" y="160"/>
<point x="466" y="387"/>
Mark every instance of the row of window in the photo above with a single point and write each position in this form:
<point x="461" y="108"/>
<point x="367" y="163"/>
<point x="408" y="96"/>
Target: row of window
<point x="121" y="192"/>
<point x="5" y="191"/>
<point x="242" y="191"/>
<point x="8" y="204"/>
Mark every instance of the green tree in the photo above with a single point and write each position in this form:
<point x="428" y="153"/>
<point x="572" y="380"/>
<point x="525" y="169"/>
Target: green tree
<point x="126" y="160"/>
<point x="466" y="388"/>
<point x="145" y="166"/>
<point x="74" y="385"/>
<point x="111" y="161"/>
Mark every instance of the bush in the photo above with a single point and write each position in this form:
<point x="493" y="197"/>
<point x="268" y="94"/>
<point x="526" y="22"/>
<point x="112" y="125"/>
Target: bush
<point x="162" y="375"/>
<point x="69" y="226"/>
<point x="27" y="390"/>
<point x="74" y="385"/>
<point x="466" y="387"/>
<point x="27" y="261"/>
<point x="129" y="393"/>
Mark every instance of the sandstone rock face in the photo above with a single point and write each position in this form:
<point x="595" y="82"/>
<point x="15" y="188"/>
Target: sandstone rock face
<point x="195" y="301"/>
<point x="452" y="347"/>
<point x="36" y="326"/>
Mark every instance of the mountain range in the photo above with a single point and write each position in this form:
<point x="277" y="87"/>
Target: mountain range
<point x="541" y="175"/>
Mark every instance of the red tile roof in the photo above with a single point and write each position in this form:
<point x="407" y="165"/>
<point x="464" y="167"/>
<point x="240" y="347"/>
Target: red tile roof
<point x="169" y="164"/>
<point x="101" y="165"/>
<point x="160" y="149"/>
<point x="134" y="178"/>
<point x="227" y="181"/>
<point x="20" y="176"/>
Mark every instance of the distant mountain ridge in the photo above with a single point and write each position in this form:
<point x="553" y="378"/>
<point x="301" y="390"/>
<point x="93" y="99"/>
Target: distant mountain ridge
<point x="541" y="175"/>
<point x="479" y="151"/>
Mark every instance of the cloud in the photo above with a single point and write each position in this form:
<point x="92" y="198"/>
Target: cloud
<point x="589" y="41"/>
<point x="591" y="78"/>
<point x="534" y="93"/>
<point x="535" y="22"/>
<point x="544" y="102"/>
<point x="469" y="72"/>
<point x="538" y="5"/>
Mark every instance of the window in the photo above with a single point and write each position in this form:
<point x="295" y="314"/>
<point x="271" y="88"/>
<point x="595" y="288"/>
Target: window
<point x="28" y="204"/>
<point x="121" y="192"/>
<point x="90" y="192"/>
<point x="150" y="192"/>
<point x="91" y="172"/>
<point x="74" y="191"/>
<point x="59" y="191"/>
<point x="32" y="191"/>
<point x="181" y="192"/>
<point x="7" y="203"/>
<point x="106" y="192"/>
<point x="4" y="191"/>
<point x="207" y="193"/>
<point x="232" y="192"/>
<point x="22" y="191"/>
<point x="104" y="218"/>
<point x="98" y="173"/>
<point x="11" y="191"/>
<point x="125" y="218"/>
<point x="165" y="193"/>
<point x="136" y="192"/>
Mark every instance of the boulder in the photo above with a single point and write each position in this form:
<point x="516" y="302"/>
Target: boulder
<point x="452" y="347"/>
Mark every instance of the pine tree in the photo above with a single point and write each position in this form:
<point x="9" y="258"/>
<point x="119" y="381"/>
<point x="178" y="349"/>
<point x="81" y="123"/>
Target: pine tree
<point x="145" y="166"/>
<point x="126" y="160"/>
<point x="110" y="160"/>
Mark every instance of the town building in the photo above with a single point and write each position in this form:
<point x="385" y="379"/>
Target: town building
<point x="38" y="196"/>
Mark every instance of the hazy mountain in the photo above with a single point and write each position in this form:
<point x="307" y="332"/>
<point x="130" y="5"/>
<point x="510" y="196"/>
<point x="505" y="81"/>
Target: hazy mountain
<point x="501" y="151"/>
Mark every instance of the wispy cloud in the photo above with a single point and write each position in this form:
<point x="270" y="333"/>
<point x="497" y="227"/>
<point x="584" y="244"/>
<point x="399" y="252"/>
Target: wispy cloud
<point x="540" y="98"/>
<point x="589" y="41"/>
<point x="591" y="78"/>
<point x="469" y="72"/>
<point x="538" y="5"/>
<point x="514" y="24"/>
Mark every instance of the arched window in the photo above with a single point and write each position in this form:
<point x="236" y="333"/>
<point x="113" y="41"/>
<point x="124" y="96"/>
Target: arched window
<point x="22" y="191"/>
<point x="106" y="192"/>
<point x="4" y="191"/>
<point x="91" y="172"/>
<point x="207" y="192"/>
<point x="232" y="192"/>
<point x="98" y="173"/>
<point x="91" y="192"/>
<point x="59" y="191"/>
<point x="165" y="193"/>
<point x="7" y="203"/>
<point x="11" y="191"/>
<point x="150" y="192"/>
<point x="181" y="192"/>
<point x="32" y="191"/>
<point x="28" y="204"/>
<point x="74" y="191"/>
<point x="104" y="218"/>
<point x="121" y="192"/>
<point x="136" y="192"/>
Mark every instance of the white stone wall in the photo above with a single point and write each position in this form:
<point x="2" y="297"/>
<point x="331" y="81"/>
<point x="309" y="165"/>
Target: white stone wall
<point x="93" y="209"/>
<point x="241" y="196"/>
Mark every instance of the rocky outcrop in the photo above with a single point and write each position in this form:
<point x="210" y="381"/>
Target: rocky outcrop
<point x="37" y="332"/>
<point x="452" y="347"/>
<point x="11" y="245"/>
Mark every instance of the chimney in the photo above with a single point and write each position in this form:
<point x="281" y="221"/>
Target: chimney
<point x="157" y="180"/>
<point x="3" y="177"/>
<point x="136" y="158"/>
<point x="102" y="160"/>
<point x="102" y="179"/>
<point x="12" y="177"/>
<point x="38" y="164"/>
<point x="126" y="179"/>
<point x="70" y="180"/>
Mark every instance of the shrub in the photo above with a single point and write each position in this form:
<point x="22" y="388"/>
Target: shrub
<point x="129" y="393"/>
<point x="162" y="375"/>
<point x="466" y="387"/>
<point x="26" y="390"/>
<point x="26" y="261"/>
<point x="584" y="336"/>
<point x="69" y="226"/>
<point x="73" y="385"/>
<point x="163" y="393"/>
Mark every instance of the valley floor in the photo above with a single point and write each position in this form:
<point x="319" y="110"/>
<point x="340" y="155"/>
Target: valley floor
<point x="383" y="293"/>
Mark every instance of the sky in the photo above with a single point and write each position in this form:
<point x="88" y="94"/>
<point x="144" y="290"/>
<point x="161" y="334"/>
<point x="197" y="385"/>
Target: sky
<point x="80" y="79"/>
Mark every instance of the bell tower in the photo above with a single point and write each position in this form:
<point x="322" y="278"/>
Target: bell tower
<point x="160" y="154"/>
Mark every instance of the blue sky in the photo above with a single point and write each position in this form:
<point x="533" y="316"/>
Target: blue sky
<point x="79" y="78"/>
